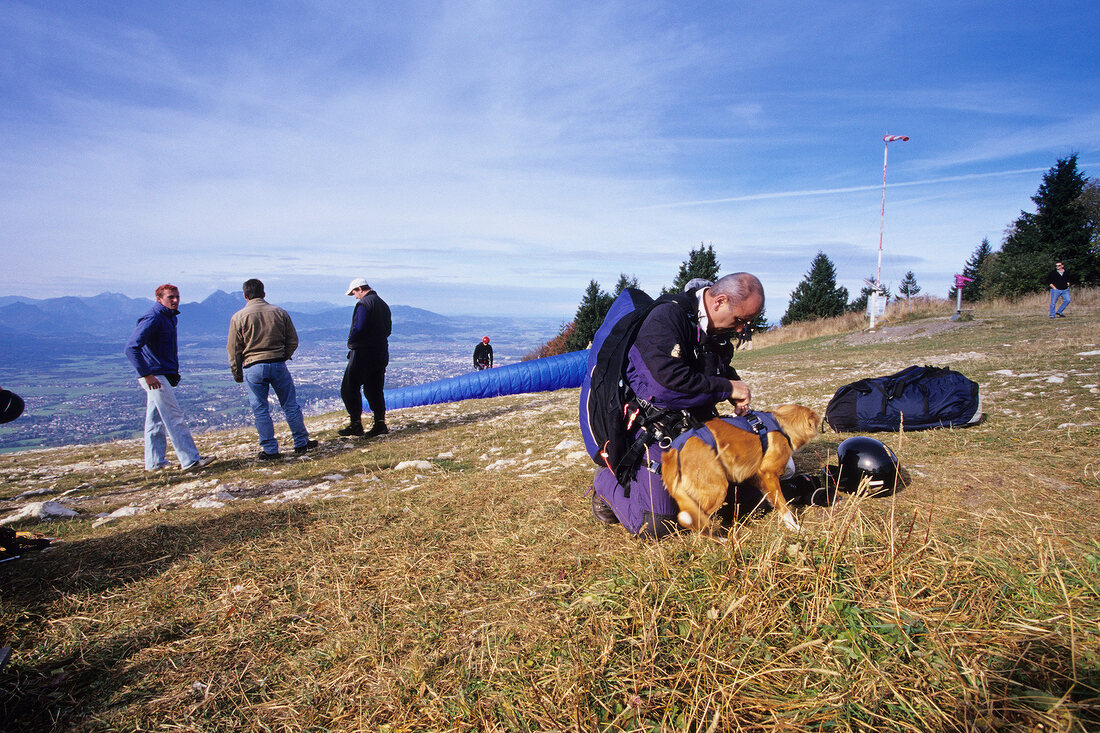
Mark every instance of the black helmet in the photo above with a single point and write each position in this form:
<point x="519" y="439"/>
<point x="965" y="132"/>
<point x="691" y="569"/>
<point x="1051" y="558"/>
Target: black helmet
<point x="859" y="457"/>
<point x="11" y="406"/>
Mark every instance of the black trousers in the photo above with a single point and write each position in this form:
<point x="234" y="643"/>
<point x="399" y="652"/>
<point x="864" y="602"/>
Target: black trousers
<point x="368" y="375"/>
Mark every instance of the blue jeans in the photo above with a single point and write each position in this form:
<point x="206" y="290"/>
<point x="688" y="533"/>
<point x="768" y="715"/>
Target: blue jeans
<point x="260" y="378"/>
<point x="1054" y="296"/>
<point x="163" y="421"/>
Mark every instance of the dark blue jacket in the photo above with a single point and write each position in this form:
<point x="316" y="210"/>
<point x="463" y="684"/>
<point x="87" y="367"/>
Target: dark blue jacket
<point x="370" y="329"/>
<point x="152" y="346"/>
<point x="675" y="365"/>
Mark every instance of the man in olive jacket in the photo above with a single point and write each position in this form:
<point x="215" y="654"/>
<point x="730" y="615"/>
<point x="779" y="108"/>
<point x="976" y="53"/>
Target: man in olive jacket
<point x="261" y="340"/>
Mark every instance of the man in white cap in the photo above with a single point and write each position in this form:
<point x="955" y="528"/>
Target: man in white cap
<point x="368" y="357"/>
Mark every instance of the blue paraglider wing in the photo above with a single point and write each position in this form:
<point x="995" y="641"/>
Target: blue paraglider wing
<point x="563" y="371"/>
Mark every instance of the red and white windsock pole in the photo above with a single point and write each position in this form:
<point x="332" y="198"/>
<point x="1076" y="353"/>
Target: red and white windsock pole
<point x="886" y="140"/>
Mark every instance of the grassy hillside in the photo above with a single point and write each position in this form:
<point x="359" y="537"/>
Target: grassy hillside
<point x="341" y="591"/>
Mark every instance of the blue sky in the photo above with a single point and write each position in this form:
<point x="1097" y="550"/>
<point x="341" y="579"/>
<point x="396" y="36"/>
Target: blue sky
<point x="493" y="157"/>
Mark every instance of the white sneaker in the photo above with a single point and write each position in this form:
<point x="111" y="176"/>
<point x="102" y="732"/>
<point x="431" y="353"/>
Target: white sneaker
<point x="203" y="462"/>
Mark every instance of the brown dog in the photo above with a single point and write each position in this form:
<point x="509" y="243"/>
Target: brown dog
<point x="697" y="476"/>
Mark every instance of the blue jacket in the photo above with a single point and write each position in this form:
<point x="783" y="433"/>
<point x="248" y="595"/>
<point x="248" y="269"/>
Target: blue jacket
<point x="152" y="345"/>
<point x="674" y="364"/>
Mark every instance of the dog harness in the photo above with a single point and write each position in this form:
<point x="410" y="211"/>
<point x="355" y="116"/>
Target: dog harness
<point x="760" y="423"/>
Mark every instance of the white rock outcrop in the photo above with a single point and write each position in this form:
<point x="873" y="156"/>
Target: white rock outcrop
<point x="40" y="510"/>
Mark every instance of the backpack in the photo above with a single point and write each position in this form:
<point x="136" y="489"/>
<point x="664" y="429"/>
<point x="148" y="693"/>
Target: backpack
<point x="604" y="391"/>
<point x="916" y="398"/>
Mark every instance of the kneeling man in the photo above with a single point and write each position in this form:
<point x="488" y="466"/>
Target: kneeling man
<point x="680" y="360"/>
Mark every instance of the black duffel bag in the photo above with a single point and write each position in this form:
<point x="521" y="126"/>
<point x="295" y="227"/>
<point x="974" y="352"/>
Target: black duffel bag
<point x="916" y="398"/>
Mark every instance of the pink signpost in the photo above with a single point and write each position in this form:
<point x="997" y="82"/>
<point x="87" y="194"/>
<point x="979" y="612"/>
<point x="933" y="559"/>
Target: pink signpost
<point x="960" y="283"/>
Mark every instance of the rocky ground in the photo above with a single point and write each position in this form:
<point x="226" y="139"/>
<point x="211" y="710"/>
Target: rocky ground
<point x="108" y="481"/>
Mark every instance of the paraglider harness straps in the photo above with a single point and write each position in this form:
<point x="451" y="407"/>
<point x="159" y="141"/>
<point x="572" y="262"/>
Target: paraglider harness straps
<point x="655" y="425"/>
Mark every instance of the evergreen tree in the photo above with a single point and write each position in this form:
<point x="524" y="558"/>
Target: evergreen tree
<point x="589" y="317"/>
<point x="1058" y="230"/>
<point x="817" y="296"/>
<point x="624" y="283"/>
<point x="908" y="287"/>
<point x="701" y="262"/>
<point x="1090" y="204"/>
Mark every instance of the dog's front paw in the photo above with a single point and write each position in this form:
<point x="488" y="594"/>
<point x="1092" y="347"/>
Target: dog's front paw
<point x="790" y="522"/>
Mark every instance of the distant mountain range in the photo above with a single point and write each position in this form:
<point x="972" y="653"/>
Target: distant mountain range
<point x="110" y="317"/>
<point x="64" y="356"/>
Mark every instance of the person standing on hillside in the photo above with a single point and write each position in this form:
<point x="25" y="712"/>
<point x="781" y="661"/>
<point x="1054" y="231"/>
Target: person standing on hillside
<point x="262" y="339"/>
<point x="1058" y="282"/>
<point x="483" y="355"/>
<point x="152" y="350"/>
<point x="368" y="357"/>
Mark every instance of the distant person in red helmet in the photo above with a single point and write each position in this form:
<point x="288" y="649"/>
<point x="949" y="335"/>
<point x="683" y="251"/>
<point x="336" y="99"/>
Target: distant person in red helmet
<point x="483" y="355"/>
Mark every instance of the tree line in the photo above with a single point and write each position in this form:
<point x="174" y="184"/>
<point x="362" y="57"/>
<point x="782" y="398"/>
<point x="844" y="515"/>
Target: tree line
<point x="1064" y="227"/>
<point x="578" y="333"/>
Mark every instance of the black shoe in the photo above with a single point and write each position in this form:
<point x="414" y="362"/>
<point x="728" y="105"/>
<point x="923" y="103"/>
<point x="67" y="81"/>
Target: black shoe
<point x="806" y="489"/>
<point x="378" y="429"/>
<point x="1060" y="315"/>
<point x="265" y="456"/>
<point x="602" y="512"/>
<point x="308" y="445"/>
<point x="356" y="428"/>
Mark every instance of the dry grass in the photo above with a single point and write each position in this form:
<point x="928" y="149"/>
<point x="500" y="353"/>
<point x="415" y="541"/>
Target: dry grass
<point x="479" y="598"/>
<point x="917" y="308"/>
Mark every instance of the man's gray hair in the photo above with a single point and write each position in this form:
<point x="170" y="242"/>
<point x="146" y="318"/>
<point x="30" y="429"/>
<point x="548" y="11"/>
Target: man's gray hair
<point x="697" y="282"/>
<point x="738" y="286"/>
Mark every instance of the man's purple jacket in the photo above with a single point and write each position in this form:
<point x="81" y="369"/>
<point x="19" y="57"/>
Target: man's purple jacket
<point x="674" y="364"/>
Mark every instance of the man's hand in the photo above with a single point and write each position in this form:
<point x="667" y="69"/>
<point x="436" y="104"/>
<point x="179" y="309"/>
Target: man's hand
<point x="740" y="397"/>
<point x="152" y="381"/>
